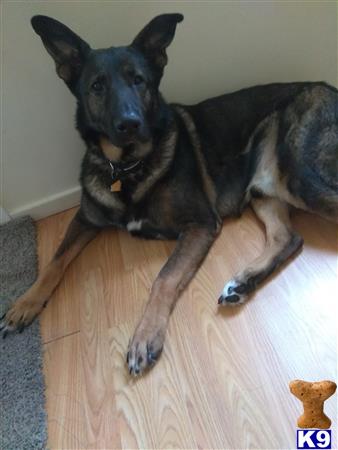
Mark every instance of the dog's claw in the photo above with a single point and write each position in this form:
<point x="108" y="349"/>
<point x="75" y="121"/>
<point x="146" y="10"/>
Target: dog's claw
<point x="151" y="360"/>
<point x="4" y="334"/>
<point x="142" y="356"/>
<point x="152" y="356"/>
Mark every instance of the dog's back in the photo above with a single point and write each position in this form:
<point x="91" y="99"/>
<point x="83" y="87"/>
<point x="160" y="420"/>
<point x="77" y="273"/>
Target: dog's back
<point x="277" y="140"/>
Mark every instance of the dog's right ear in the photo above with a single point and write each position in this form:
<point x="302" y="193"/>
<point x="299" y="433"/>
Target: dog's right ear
<point x="67" y="49"/>
<point x="154" y="39"/>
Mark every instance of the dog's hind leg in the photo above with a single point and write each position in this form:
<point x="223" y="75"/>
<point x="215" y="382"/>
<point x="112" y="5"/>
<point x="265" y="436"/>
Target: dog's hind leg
<point x="26" y="308"/>
<point x="281" y="243"/>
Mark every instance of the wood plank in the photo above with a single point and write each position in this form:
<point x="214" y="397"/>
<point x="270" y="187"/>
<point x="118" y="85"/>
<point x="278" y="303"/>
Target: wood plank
<point x="79" y="379"/>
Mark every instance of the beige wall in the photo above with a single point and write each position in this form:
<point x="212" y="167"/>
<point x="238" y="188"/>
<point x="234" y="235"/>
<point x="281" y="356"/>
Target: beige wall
<point x="220" y="46"/>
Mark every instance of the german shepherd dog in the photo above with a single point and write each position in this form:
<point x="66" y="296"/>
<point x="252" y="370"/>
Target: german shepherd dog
<point x="182" y="169"/>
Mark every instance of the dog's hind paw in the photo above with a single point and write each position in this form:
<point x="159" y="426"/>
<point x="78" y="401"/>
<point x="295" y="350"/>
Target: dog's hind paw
<point x="233" y="294"/>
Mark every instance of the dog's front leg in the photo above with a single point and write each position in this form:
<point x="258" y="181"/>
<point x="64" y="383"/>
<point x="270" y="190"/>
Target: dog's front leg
<point x="29" y="305"/>
<point x="147" y="343"/>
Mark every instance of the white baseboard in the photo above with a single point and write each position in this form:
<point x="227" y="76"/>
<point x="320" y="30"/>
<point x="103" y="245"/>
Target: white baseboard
<point x="4" y="216"/>
<point x="49" y="205"/>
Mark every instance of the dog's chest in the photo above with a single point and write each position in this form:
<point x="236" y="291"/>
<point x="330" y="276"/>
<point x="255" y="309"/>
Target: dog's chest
<point x="146" y="229"/>
<point x="151" y="221"/>
<point x="155" y="217"/>
<point x="159" y="214"/>
<point x="151" y="216"/>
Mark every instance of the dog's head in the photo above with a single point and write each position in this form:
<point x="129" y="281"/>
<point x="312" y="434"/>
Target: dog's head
<point x="117" y="87"/>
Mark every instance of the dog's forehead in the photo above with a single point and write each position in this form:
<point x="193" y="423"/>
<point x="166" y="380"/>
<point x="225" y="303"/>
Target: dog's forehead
<point x="116" y="59"/>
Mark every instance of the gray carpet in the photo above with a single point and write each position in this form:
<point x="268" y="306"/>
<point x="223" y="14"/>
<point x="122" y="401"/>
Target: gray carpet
<point x="22" y="400"/>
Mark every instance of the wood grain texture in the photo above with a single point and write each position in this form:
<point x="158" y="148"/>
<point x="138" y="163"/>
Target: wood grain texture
<point x="222" y="381"/>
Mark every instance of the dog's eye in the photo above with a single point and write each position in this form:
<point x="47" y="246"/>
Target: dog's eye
<point x="138" y="79"/>
<point x="97" y="86"/>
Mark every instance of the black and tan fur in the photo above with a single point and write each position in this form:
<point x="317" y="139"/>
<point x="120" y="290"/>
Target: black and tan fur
<point x="268" y="146"/>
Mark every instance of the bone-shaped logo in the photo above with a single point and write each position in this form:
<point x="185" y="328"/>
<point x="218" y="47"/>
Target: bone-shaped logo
<point x="313" y="396"/>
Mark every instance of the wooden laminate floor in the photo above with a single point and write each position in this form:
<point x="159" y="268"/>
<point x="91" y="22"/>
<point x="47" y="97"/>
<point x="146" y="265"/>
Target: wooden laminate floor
<point x="222" y="381"/>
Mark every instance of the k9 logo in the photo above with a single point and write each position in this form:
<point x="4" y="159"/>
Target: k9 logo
<point x="313" y="438"/>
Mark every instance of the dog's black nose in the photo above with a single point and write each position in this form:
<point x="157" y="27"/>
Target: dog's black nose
<point x="128" y="125"/>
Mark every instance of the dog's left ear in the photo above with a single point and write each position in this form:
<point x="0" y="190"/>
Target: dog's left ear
<point x="155" y="37"/>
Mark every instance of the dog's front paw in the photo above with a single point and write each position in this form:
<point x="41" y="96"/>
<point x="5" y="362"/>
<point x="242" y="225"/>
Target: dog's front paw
<point x="144" y="349"/>
<point x="20" y="315"/>
<point x="234" y="293"/>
